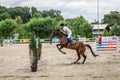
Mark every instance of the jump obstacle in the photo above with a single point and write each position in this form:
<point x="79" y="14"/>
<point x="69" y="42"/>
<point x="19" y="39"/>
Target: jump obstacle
<point x="108" y="43"/>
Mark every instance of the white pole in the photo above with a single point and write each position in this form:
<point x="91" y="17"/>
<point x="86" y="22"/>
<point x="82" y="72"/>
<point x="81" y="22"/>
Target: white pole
<point x="98" y="16"/>
<point x="37" y="43"/>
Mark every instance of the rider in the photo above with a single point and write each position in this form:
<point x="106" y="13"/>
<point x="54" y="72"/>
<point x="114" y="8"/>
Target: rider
<point x="67" y="31"/>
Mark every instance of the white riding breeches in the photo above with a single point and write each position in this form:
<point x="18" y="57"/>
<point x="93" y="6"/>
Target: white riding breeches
<point x="69" y="35"/>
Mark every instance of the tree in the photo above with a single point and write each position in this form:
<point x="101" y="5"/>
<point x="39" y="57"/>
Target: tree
<point x="36" y="26"/>
<point x="105" y="33"/>
<point x="52" y="13"/>
<point x="23" y="31"/>
<point x="19" y="23"/>
<point x="33" y="11"/>
<point x="80" y="26"/>
<point x="23" y="12"/>
<point x="77" y="26"/>
<point x="7" y="28"/>
<point x="41" y="27"/>
<point x="115" y="30"/>
<point x="4" y="13"/>
<point x="112" y="18"/>
<point x="87" y="30"/>
<point x="37" y="15"/>
<point x="4" y="16"/>
<point x="18" y="20"/>
<point x="50" y="24"/>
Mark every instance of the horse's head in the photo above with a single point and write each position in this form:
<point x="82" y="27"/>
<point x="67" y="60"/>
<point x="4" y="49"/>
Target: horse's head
<point x="54" y="33"/>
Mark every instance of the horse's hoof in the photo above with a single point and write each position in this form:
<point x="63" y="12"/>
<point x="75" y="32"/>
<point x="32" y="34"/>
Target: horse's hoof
<point x="96" y="55"/>
<point x="82" y="62"/>
<point x="77" y="63"/>
<point x="73" y="63"/>
<point x="64" y="53"/>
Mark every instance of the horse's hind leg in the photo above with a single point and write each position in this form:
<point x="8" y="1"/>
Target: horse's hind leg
<point x="84" y="56"/>
<point x="78" y="54"/>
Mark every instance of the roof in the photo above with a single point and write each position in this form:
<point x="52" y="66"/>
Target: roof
<point x="100" y="26"/>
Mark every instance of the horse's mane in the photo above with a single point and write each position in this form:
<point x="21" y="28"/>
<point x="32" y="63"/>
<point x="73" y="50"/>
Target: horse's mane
<point x="61" y="32"/>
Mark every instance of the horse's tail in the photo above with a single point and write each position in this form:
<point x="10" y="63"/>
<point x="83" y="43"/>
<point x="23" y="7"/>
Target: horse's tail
<point x="91" y="50"/>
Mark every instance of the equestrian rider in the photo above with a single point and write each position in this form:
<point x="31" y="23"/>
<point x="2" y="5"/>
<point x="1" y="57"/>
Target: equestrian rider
<point x="67" y="31"/>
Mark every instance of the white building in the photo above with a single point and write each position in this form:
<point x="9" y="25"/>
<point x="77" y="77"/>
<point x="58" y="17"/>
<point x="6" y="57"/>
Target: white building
<point x="98" y="29"/>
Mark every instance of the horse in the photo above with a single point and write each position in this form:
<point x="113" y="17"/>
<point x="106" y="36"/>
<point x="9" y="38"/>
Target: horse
<point x="80" y="47"/>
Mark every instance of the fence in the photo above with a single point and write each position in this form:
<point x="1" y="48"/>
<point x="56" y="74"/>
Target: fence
<point x="108" y="43"/>
<point x="47" y="40"/>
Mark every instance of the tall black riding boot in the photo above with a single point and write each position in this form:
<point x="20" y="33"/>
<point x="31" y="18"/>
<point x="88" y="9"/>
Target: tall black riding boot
<point x="69" y="41"/>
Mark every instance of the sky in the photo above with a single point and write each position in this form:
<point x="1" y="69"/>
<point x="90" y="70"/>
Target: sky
<point x="70" y="8"/>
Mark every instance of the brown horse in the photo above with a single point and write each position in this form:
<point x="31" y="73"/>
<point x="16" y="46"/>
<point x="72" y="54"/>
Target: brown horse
<point x="80" y="47"/>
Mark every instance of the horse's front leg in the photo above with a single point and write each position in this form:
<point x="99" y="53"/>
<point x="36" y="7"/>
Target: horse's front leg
<point x="60" y="48"/>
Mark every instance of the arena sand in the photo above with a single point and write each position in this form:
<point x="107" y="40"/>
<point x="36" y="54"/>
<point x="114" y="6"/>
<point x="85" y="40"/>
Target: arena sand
<point x="15" y="65"/>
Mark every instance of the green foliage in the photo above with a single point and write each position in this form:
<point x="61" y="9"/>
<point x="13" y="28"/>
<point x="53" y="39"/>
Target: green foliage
<point x="87" y="30"/>
<point x="23" y="12"/>
<point x="37" y="15"/>
<point x="18" y="20"/>
<point x="4" y="13"/>
<point x="52" y="13"/>
<point x="36" y="26"/>
<point x="41" y="26"/>
<point x="62" y="21"/>
<point x="80" y="27"/>
<point x="3" y="9"/>
<point x="19" y="23"/>
<point x="59" y="18"/>
<point x="112" y="18"/>
<point x="33" y="47"/>
<point x="4" y="16"/>
<point x="105" y="33"/>
<point x="44" y="21"/>
<point x="23" y="32"/>
<point x="49" y="25"/>
<point x="33" y="11"/>
<point x="7" y="28"/>
<point x="115" y="30"/>
<point x="27" y="13"/>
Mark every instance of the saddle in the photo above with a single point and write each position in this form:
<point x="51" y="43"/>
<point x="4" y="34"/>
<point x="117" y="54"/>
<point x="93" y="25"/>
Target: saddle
<point x="70" y="41"/>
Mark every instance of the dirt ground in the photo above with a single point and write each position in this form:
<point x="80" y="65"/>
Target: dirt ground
<point x="15" y="65"/>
